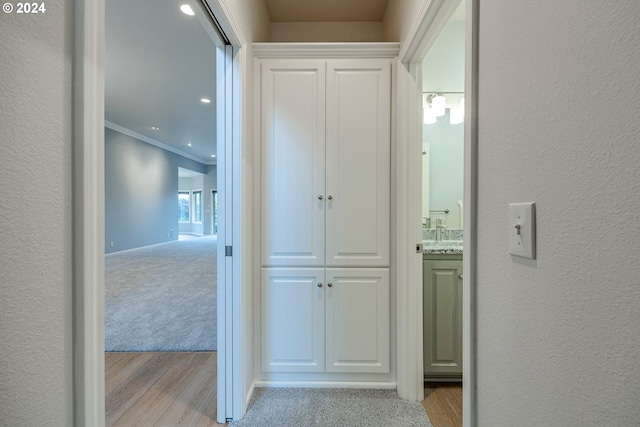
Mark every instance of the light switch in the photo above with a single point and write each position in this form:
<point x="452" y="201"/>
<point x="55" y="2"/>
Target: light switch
<point x="522" y="230"/>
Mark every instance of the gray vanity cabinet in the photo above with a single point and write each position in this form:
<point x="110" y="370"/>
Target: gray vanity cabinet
<point x="442" y="296"/>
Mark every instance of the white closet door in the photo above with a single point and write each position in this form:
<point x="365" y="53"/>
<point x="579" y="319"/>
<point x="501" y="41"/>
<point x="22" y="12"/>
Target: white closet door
<point x="293" y="319"/>
<point x="358" y="323"/>
<point x="358" y="162"/>
<point x="293" y="150"/>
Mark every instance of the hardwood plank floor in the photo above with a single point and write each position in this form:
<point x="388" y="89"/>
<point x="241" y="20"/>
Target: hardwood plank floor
<point x="443" y="403"/>
<point x="161" y="389"/>
<point x="179" y="389"/>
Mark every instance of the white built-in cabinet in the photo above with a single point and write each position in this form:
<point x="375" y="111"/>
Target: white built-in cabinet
<point x="325" y="215"/>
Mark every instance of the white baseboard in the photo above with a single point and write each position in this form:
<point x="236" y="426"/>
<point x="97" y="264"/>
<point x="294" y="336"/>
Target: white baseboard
<point x="326" y="384"/>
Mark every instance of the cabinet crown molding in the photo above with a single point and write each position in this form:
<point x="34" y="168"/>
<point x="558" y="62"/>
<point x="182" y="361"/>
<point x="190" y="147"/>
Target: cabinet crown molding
<point x="326" y="50"/>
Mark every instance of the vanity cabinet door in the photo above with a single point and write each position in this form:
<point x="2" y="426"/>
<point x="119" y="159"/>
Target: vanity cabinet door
<point x="442" y="295"/>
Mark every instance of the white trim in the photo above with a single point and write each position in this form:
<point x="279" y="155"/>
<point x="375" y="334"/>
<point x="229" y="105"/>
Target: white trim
<point x="144" y="138"/>
<point x="409" y="271"/>
<point x="88" y="213"/>
<point x="230" y="26"/>
<point x="326" y="384"/>
<point x="238" y="285"/>
<point x="224" y="379"/>
<point x="469" y="260"/>
<point x="431" y="19"/>
<point x="326" y="50"/>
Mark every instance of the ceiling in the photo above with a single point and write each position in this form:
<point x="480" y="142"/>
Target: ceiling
<point x="159" y="63"/>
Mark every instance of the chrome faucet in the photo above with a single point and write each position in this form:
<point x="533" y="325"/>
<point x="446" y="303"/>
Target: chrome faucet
<point x="439" y="228"/>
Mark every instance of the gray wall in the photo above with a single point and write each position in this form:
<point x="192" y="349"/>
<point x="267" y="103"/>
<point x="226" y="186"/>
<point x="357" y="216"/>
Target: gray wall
<point x="559" y="125"/>
<point x="36" y="371"/>
<point x="141" y="190"/>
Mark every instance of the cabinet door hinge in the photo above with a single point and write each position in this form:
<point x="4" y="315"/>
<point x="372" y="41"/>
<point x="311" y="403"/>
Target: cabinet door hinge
<point x="228" y="251"/>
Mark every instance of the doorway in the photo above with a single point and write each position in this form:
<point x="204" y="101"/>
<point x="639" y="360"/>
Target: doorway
<point x="89" y="184"/>
<point x="420" y="40"/>
<point x="160" y="282"/>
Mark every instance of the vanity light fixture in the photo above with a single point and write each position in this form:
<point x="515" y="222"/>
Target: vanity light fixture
<point x="435" y="104"/>
<point x="155" y="128"/>
<point x="186" y="9"/>
<point x="213" y="155"/>
<point x="205" y="100"/>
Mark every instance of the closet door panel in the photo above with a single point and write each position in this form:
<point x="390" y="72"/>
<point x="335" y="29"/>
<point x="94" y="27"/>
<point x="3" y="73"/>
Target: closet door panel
<point x="358" y="163"/>
<point x="292" y="320"/>
<point x="293" y="167"/>
<point x="358" y="322"/>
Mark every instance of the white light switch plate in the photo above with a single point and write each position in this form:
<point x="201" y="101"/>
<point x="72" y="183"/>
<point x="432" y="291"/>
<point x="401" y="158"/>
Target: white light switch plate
<point x="522" y="230"/>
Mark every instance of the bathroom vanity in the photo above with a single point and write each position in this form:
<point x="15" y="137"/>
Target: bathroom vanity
<point x="442" y="298"/>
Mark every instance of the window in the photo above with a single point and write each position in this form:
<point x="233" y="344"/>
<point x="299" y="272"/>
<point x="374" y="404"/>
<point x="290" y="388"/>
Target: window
<point x="214" y="196"/>
<point x="197" y="206"/>
<point x="183" y="206"/>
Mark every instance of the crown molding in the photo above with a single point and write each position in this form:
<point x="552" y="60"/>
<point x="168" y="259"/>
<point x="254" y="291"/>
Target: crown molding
<point x="152" y="141"/>
<point x="326" y="50"/>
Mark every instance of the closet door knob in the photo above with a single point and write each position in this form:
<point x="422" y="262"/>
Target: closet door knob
<point x="319" y="285"/>
<point x="330" y="197"/>
<point x="320" y="197"/>
<point x="330" y="284"/>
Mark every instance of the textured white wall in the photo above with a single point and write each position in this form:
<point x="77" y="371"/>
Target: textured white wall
<point x="326" y="31"/>
<point x="559" y="125"/>
<point x="35" y="217"/>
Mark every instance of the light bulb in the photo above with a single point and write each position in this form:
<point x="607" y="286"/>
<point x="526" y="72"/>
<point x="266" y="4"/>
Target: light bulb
<point x="456" y="116"/>
<point x="429" y="116"/>
<point x="186" y="9"/>
<point x="438" y="104"/>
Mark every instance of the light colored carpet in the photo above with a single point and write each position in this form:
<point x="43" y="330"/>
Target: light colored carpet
<point x="162" y="297"/>
<point x="297" y="407"/>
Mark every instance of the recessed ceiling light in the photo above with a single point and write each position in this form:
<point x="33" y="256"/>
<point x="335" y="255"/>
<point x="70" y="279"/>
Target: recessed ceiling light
<point x="205" y="100"/>
<point x="186" y="9"/>
<point x="189" y="144"/>
<point x="213" y="155"/>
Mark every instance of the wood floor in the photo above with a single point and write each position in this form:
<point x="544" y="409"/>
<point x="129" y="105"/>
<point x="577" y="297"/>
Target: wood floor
<point x="443" y="403"/>
<point x="179" y="389"/>
<point x="161" y="389"/>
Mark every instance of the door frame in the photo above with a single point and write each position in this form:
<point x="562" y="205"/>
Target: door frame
<point x="88" y="215"/>
<point x="430" y="21"/>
